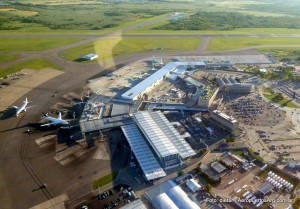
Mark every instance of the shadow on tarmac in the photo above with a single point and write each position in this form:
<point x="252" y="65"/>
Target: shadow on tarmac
<point x="8" y="113"/>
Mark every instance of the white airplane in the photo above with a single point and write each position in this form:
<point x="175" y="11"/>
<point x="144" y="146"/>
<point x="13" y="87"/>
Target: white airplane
<point x="23" y="107"/>
<point x="54" y="121"/>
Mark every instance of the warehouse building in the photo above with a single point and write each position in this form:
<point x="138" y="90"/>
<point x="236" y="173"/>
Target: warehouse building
<point x="168" y="145"/>
<point x="218" y="167"/>
<point x="231" y="85"/>
<point x="193" y="185"/>
<point x="239" y="88"/>
<point x="265" y="188"/>
<point x="226" y="121"/>
<point x="142" y="88"/>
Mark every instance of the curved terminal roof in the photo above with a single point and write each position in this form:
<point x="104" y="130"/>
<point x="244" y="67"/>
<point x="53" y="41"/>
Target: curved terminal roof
<point x="220" y="82"/>
<point x="149" y="164"/>
<point x="156" y="137"/>
<point x="168" y="194"/>
<point x="225" y="79"/>
<point x="232" y="80"/>
<point x="180" y="198"/>
<point x="182" y="146"/>
<point x="163" y="201"/>
<point x="162" y="135"/>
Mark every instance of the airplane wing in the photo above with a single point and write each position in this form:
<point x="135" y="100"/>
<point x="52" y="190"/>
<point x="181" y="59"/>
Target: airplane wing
<point x="30" y="107"/>
<point x="47" y="124"/>
<point x="15" y="107"/>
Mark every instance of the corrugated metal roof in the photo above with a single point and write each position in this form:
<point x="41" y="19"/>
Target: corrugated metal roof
<point x="265" y="188"/>
<point x="164" y="137"/>
<point x="167" y="192"/>
<point x="183" y="147"/>
<point x="155" y="135"/>
<point x="180" y="198"/>
<point x="149" y="164"/>
<point x="163" y="201"/>
<point x="138" y="204"/>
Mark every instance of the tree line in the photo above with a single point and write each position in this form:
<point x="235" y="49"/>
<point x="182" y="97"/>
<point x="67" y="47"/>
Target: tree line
<point x="228" y="21"/>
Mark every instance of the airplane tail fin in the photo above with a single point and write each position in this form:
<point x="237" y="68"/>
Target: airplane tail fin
<point x="26" y="101"/>
<point x="59" y="116"/>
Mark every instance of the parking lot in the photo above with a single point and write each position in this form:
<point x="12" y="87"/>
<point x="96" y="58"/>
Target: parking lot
<point x="251" y="110"/>
<point x="198" y="134"/>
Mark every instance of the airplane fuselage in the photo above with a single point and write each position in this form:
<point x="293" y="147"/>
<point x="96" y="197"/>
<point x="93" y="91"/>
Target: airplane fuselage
<point x="55" y="121"/>
<point x="21" y="109"/>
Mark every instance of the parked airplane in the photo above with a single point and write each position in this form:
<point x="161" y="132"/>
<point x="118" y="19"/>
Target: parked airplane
<point x="54" y="121"/>
<point x="23" y="107"/>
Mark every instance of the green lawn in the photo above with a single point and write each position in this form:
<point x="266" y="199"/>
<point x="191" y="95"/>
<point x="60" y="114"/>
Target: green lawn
<point x="109" y="48"/>
<point x="269" y="94"/>
<point x="34" y="44"/>
<point x="231" y="43"/>
<point x="148" y="30"/>
<point x="105" y="180"/>
<point x="7" y="57"/>
<point x="282" y="53"/>
<point x="239" y="152"/>
<point x="36" y="64"/>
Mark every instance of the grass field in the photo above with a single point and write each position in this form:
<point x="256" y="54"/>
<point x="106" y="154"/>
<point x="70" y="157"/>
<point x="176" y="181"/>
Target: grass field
<point x="36" y="64"/>
<point x="7" y="57"/>
<point x="269" y="94"/>
<point x="26" y="28"/>
<point x="34" y="44"/>
<point x="148" y="30"/>
<point x="79" y="16"/>
<point x="282" y="53"/>
<point x="105" y="180"/>
<point x="231" y="43"/>
<point x="109" y="48"/>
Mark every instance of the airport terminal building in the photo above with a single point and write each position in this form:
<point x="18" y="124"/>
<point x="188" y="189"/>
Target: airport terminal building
<point x="171" y="69"/>
<point x="226" y="121"/>
<point x="167" y="144"/>
<point x="231" y="85"/>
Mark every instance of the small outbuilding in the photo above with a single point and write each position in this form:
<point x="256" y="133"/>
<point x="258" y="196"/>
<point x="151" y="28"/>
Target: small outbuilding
<point x="265" y="188"/>
<point x="193" y="185"/>
<point x="218" y="167"/>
